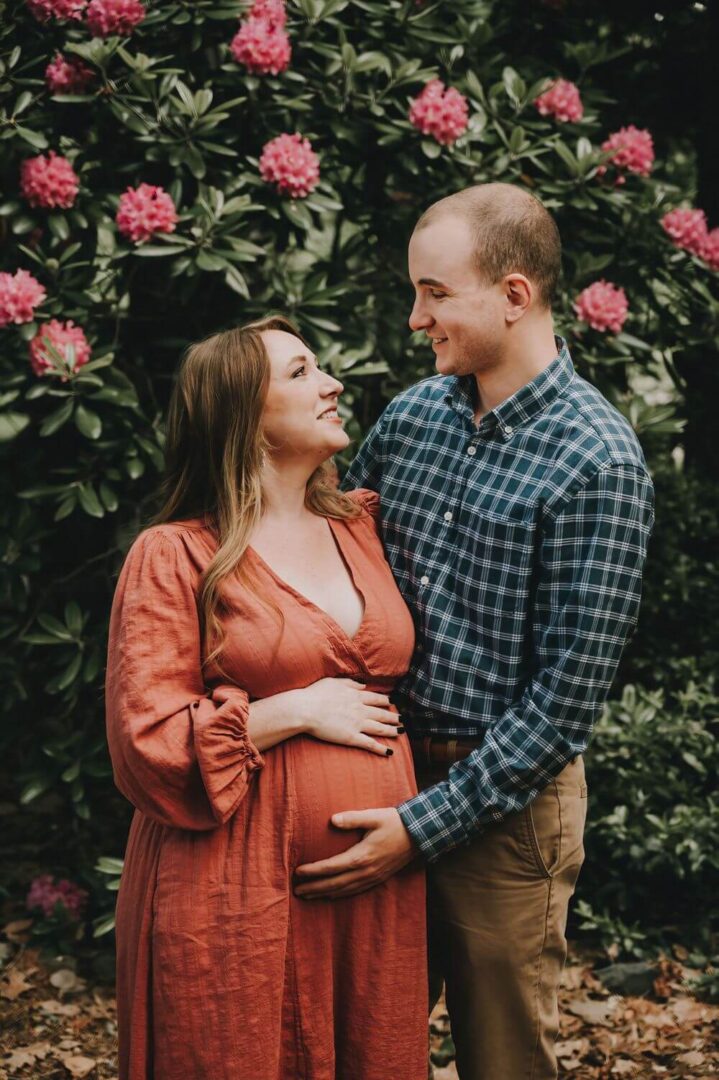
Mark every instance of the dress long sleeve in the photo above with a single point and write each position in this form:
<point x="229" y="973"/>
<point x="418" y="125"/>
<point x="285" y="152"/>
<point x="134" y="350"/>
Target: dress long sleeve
<point x="180" y="750"/>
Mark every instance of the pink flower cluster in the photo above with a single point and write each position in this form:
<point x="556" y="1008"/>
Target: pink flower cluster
<point x="291" y="164"/>
<point x="103" y="17"/>
<point x="106" y="17"/>
<point x="272" y="10"/>
<point x="67" y="76"/>
<point x="562" y="101"/>
<point x="261" y="43"/>
<point x="144" y="211"/>
<point x="49" y="181"/>
<point x="632" y="149"/>
<point x="603" y="306"/>
<point x="688" y="229"/>
<point x="710" y="249"/>
<point x="45" y="893"/>
<point x="44" y="10"/>
<point x="440" y="111"/>
<point x="20" y="294"/>
<point x="62" y="336"/>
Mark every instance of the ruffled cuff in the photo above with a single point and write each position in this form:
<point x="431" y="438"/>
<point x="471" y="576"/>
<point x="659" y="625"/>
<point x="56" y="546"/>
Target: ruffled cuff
<point x="226" y="755"/>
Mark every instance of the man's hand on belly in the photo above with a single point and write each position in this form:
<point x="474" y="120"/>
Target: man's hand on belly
<point x="383" y="850"/>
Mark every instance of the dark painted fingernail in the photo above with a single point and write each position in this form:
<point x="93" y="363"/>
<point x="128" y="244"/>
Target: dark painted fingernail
<point x="389" y="751"/>
<point x="401" y="729"/>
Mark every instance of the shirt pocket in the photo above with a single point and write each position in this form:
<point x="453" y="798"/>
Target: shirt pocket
<point x="496" y="563"/>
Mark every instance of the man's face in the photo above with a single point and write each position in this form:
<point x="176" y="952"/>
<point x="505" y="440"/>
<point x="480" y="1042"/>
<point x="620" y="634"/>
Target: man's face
<point x="463" y="316"/>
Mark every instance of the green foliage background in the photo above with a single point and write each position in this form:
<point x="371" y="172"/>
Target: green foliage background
<point x="170" y="106"/>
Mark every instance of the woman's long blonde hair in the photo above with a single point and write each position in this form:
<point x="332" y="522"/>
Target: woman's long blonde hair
<point x="214" y="453"/>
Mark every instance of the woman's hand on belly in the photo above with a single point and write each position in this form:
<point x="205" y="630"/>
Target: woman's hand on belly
<point x="339" y="711"/>
<point x="342" y="711"/>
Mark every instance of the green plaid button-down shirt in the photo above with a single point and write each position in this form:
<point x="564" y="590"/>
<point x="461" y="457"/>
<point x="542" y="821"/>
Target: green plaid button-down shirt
<point x="518" y="545"/>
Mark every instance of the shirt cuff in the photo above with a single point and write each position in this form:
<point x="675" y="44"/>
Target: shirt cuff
<point x="432" y="823"/>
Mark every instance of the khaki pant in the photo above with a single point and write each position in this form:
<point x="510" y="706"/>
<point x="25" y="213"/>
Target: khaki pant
<point x="497" y="919"/>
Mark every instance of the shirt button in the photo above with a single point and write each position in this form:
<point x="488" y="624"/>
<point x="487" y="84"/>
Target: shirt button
<point x="508" y="430"/>
<point x="448" y="515"/>
<point x="424" y="580"/>
<point x="471" y="450"/>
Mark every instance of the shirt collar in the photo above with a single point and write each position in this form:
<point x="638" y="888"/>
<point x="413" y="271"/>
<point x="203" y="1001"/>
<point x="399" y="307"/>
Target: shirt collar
<point x="529" y="401"/>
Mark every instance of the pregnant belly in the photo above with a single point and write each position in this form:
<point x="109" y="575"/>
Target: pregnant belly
<point x="327" y="779"/>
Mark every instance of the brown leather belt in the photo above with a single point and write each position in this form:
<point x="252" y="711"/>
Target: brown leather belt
<point x="437" y="750"/>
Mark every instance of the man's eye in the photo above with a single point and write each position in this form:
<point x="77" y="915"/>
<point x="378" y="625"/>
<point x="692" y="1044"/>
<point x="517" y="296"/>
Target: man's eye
<point x="437" y="295"/>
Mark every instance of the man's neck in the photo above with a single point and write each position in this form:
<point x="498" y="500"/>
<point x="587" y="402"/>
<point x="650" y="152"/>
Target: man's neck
<point x="524" y="361"/>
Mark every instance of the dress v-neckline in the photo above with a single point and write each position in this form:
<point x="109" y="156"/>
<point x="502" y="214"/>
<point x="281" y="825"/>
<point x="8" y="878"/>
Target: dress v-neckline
<point x="337" y="627"/>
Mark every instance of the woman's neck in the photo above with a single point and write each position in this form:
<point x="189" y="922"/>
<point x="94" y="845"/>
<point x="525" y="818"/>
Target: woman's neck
<point x="284" y="486"/>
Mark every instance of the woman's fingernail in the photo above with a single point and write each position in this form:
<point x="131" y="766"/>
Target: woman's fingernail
<point x="389" y="751"/>
<point x="400" y="729"/>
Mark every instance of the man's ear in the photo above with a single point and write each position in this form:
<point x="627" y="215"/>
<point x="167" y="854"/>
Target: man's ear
<point x="518" y="293"/>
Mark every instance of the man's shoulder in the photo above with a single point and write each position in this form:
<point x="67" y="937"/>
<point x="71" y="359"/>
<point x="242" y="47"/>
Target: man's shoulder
<point x="422" y="399"/>
<point x="590" y="426"/>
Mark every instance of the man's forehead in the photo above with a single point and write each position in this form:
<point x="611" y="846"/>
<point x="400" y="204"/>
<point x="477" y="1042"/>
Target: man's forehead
<point x="442" y="249"/>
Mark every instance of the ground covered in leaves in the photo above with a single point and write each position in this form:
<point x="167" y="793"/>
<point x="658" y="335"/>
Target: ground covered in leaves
<point x="664" y="1033"/>
<point x="56" y="1024"/>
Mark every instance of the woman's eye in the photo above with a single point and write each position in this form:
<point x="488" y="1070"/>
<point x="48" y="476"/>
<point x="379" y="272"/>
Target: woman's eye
<point x="299" y="371"/>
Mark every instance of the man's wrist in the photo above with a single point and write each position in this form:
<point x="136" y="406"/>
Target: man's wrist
<point x="432" y="823"/>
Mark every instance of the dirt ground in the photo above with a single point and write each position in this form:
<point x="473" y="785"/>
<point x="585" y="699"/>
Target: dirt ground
<point x="57" y="1025"/>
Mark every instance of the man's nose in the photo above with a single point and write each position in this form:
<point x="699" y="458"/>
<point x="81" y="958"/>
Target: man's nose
<point x="419" y="319"/>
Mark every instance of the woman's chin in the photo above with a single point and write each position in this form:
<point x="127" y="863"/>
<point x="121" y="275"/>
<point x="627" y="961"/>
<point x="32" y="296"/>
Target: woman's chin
<point x="340" y="441"/>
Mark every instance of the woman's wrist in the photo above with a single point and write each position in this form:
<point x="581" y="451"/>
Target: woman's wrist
<point x="276" y="718"/>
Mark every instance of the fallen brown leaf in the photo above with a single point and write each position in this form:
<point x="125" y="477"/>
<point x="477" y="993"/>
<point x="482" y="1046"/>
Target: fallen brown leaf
<point x="59" y="1008"/>
<point x="694" y="1057"/>
<point x="687" y="1011"/>
<point x="19" y="1058"/>
<point x="27" y="1055"/>
<point x="77" y="1065"/>
<point x="449" y="1072"/>
<point x="624" y="1067"/>
<point x="66" y="981"/>
<point x="16" y="931"/>
<point x="572" y="977"/>
<point x="14" y="984"/>
<point x="594" y="1012"/>
<point x="569" y="1047"/>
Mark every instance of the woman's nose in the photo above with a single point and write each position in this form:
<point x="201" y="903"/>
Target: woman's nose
<point x="332" y="385"/>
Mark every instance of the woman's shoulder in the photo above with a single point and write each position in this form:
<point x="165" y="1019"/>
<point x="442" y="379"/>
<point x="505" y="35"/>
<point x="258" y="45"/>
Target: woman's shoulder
<point x="181" y="539"/>
<point x="368" y="500"/>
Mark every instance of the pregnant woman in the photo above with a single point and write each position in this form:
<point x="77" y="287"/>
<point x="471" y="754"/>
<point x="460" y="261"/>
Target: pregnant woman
<point x="256" y="632"/>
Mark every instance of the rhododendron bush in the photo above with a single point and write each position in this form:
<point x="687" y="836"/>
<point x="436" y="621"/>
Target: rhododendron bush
<point x="171" y="168"/>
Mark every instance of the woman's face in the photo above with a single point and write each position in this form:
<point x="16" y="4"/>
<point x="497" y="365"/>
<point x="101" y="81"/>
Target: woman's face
<point x="300" y="415"/>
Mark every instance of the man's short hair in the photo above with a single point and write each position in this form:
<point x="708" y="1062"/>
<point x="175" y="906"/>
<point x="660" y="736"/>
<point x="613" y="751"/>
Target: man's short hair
<point x="513" y="233"/>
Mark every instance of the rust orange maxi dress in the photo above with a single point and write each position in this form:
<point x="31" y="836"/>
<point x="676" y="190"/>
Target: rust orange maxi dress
<point x="223" y="974"/>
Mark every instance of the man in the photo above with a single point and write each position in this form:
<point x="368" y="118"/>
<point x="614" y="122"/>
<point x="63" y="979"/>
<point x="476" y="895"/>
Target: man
<point x="516" y="509"/>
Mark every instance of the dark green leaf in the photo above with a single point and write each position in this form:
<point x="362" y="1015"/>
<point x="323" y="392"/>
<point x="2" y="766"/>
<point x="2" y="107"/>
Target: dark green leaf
<point x="88" y="422"/>
<point x="11" y="424"/>
<point x="56" y="419"/>
<point x="36" y="139"/>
